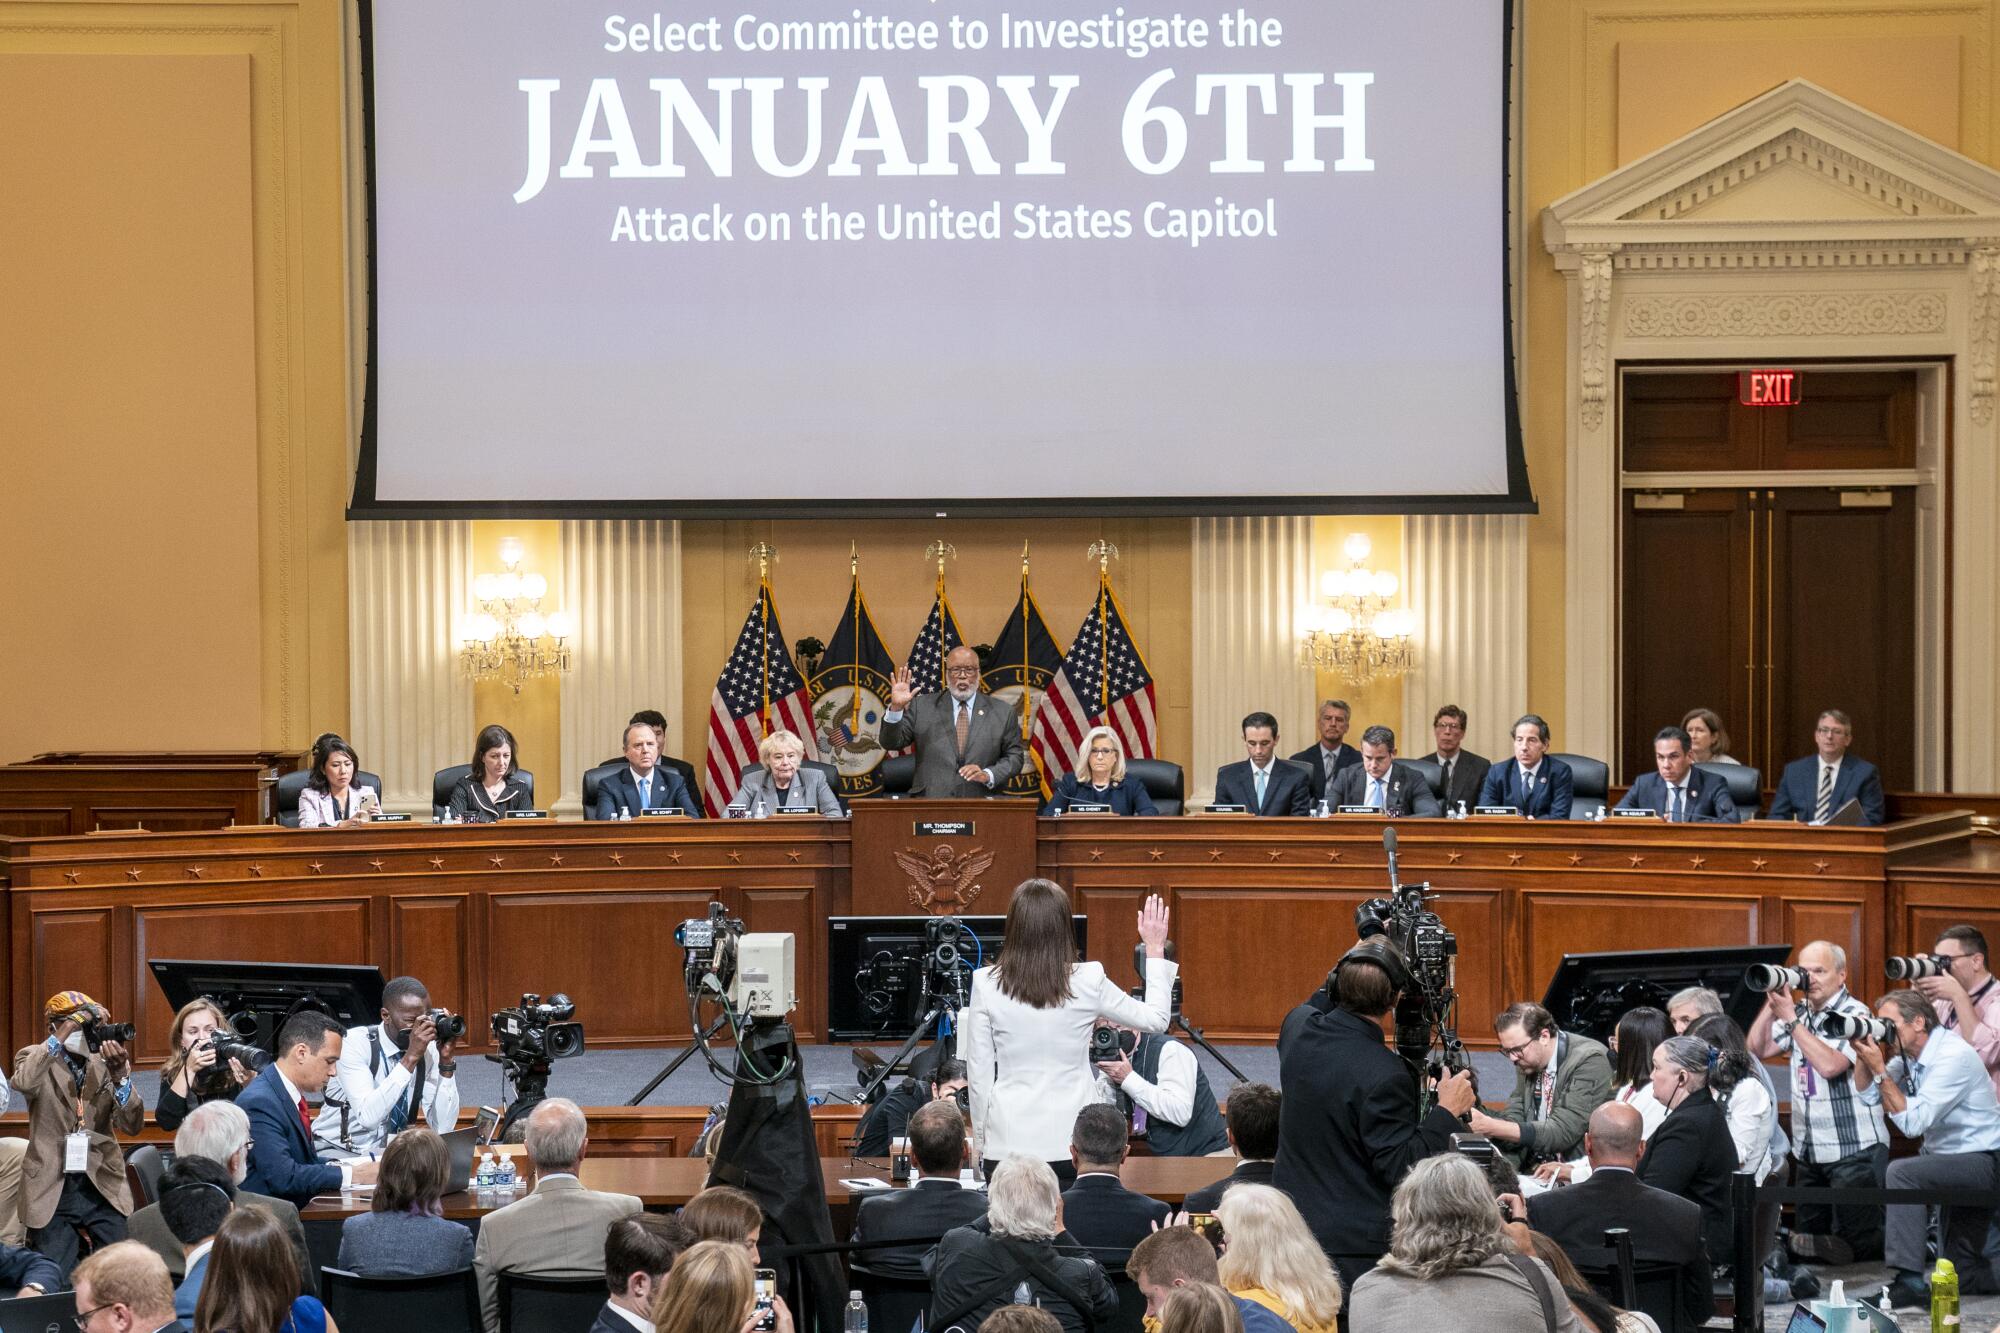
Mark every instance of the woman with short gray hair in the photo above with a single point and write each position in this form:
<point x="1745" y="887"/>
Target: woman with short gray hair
<point x="1450" y="1265"/>
<point x="975" y="1272"/>
<point x="1692" y="1153"/>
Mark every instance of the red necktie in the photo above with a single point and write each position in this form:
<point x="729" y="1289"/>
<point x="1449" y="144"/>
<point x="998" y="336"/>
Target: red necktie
<point x="305" y="1118"/>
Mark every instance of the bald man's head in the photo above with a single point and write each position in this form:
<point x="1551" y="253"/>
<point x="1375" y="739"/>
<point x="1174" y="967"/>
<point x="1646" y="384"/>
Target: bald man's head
<point x="1614" y="1137"/>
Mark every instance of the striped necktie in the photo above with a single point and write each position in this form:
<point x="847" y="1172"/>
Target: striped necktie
<point x="963" y="725"/>
<point x="1823" y="807"/>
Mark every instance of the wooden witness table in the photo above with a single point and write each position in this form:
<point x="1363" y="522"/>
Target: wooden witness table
<point x="1262" y="907"/>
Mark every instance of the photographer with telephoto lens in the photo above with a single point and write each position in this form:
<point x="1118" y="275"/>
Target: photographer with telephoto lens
<point x="208" y="1063"/>
<point x="389" y="1073"/>
<point x="1953" y="977"/>
<point x="78" y="1086"/>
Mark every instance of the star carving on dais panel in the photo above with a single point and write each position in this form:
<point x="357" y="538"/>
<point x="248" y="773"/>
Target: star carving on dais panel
<point x="793" y="855"/>
<point x="1096" y="855"/>
<point x="1276" y="854"/>
<point x="675" y="856"/>
<point x="72" y="875"/>
<point x="1155" y="853"/>
<point x="1758" y="863"/>
<point x="132" y="874"/>
<point x="1697" y="861"/>
<point x="257" y="870"/>
<point x="319" y="867"/>
<point x="496" y="861"/>
<point x="1215" y="853"/>
<point x="1514" y="858"/>
<point x="437" y="863"/>
<point x="1820" y="867"/>
<point x="555" y="858"/>
<point x="1454" y="857"/>
<point x="1576" y="858"/>
<point x="1333" y="855"/>
<point x="734" y="855"/>
<point x="1636" y="860"/>
<point x="617" y="858"/>
<point x="195" y="871"/>
<point x="378" y="864"/>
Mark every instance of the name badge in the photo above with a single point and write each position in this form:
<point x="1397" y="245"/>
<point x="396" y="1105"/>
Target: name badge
<point x="663" y="810"/>
<point x="1228" y="809"/>
<point x="1357" y="810"/>
<point x="526" y="814"/>
<point x="1496" y="810"/>
<point x="1634" y="814"/>
<point x="1087" y="808"/>
<point x="389" y="819"/>
<point x="76" y="1151"/>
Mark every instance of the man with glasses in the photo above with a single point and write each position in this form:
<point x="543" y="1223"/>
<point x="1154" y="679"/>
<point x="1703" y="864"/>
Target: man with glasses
<point x="1813" y="788"/>
<point x="1965" y="995"/>
<point x="124" y="1288"/>
<point x="968" y="743"/>
<point x="1559" y="1079"/>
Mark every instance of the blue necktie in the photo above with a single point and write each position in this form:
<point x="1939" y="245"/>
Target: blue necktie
<point x="645" y="792"/>
<point x="1375" y="793"/>
<point x="1679" y="813"/>
<point x="1260" y="791"/>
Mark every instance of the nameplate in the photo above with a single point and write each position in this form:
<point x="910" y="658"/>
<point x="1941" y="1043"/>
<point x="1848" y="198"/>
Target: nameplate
<point x="389" y="819"/>
<point x="1087" y="808"/>
<point x="1616" y="813"/>
<point x="796" y="810"/>
<point x="663" y="810"/>
<point x="1356" y="810"/>
<point x="944" y="828"/>
<point x="1496" y="810"/>
<point x="1229" y="809"/>
<point x="527" y="814"/>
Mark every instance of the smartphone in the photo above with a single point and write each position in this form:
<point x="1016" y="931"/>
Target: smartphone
<point x="767" y="1295"/>
<point x="1209" y="1227"/>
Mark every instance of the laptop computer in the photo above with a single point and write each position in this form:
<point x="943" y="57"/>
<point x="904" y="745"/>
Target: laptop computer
<point x="463" y="1146"/>
<point x="39" y="1314"/>
<point x="1805" y="1321"/>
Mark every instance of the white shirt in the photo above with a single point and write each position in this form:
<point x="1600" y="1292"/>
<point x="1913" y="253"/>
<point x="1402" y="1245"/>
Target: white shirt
<point x="643" y="1325"/>
<point x="1638" y="1096"/>
<point x="1751" y="1114"/>
<point x="199" y="1252"/>
<point x="1948" y="1098"/>
<point x="372" y="1094"/>
<point x="1171" y="1097"/>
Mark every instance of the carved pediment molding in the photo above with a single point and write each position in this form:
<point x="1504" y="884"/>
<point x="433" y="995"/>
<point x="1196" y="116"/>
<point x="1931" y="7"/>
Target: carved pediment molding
<point x="1795" y="149"/>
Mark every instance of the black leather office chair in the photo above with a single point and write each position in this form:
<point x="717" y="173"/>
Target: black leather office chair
<point x="595" y="778"/>
<point x="895" y="1304"/>
<point x="445" y="779"/>
<point x="292" y="784"/>
<point x="147" y="1164"/>
<point x="897" y="772"/>
<point x="441" y="1303"/>
<point x="543" y="1304"/>
<point x="1590" y="784"/>
<point x="1746" y="787"/>
<point x="1433" y="775"/>
<point x="1164" y="780"/>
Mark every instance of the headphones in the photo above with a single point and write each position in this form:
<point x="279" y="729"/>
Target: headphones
<point x="1375" y="949"/>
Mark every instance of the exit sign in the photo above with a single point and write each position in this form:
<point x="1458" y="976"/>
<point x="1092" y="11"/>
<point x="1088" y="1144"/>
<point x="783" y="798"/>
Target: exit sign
<point x="1769" y="388"/>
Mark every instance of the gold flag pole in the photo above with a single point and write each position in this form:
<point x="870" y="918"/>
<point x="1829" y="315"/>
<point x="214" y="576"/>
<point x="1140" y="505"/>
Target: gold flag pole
<point x="1027" y="695"/>
<point x="1103" y="552"/>
<point x="765" y="555"/>
<point x="854" y="679"/>
<point x="940" y="551"/>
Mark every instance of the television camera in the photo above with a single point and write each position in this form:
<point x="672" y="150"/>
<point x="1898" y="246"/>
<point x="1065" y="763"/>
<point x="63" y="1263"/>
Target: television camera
<point x="1427" y="950"/>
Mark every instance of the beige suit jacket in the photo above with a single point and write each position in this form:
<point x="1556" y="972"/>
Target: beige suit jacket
<point x="557" y="1231"/>
<point x="43" y="1078"/>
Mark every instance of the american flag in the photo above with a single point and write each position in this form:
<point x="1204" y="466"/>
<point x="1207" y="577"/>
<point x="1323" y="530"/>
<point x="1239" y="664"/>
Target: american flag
<point x="759" y="673"/>
<point x="1103" y="682"/>
<point x="939" y="636"/>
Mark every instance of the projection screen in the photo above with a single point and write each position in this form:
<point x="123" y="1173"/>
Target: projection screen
<point x="919" y="256"/>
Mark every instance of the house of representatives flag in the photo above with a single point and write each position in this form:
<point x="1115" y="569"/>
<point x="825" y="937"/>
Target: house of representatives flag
<point x="1103" y="682"/>
<point x="759" y="691"/>
<point x="1023" y="662"/>
<point x="848" y="698"/>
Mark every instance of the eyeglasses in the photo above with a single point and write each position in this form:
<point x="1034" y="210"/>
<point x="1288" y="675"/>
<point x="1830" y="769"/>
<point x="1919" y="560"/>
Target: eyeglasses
<point x="1102" y="749"/>
<point x="961" y="671"/>
<point x="83" y="1319"/>
<point x="1511" y="1051"/>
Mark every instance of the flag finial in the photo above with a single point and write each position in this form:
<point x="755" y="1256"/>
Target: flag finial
<point x="765" y="555"/>
<point x="1103" y="552"/>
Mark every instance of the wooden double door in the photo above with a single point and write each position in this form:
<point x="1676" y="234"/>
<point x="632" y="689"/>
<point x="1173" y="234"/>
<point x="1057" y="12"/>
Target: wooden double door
<point x="1771" y="602"/>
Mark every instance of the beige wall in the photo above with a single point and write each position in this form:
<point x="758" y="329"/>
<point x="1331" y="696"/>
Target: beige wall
<point x="175" y="362"/>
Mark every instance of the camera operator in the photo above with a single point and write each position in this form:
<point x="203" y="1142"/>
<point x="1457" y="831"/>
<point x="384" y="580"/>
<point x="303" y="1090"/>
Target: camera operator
<point x="1350" y="1125"/>
<point x="1559" y="1079"/>
<point x="1165" y="1094"/>
<point x="79" y="1092"/>
<point x="1837" y="1138"/>
<point x="1966" y="1000"/>
<point x="1935" y="1088"/>
<point x="388" y="1073"/>
<point x="889" y="1119"/>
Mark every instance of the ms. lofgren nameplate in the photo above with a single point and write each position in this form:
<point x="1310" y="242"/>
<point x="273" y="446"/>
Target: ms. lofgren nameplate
<point x="943" y="828"/>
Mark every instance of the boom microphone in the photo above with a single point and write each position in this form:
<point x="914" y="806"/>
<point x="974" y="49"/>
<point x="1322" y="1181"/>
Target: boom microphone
<point x="1389" y="846"/>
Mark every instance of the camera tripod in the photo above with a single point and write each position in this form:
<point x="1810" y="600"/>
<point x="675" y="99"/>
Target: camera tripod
<point x="677" y="1062"/>
<point x="947" y="1040"/>
<point x="1178" y="1019"/>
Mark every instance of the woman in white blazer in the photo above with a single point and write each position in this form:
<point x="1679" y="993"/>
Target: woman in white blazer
<point x="784" y="783"/>
<point x="1027" y="1026"/>
<point x="330" y="799"/>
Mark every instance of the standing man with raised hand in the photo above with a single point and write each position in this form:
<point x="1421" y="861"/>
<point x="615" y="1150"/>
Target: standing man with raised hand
<point x="967" y="742"/>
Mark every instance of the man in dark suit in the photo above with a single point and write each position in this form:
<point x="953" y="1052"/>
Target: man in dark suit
<point x="1677" y="791"/>
<point x="644" y="783"/>
<point x="639" y="1251"/>
<point x="1812" y="788"/>
<point x="1349" y="1127"/>
<point x="282" y="1163"/>
<point x="968" y="743"/>
<point x="933" y="1204"/>
<point x="1378" y="780"/>
<point x="1464" y="771"/>
<point x="1533" y="783"/>
<point x="1264" y="784"/>
<point x="1666" y="1229"/>
<point x="1332" y="754"/>
<point x="1098" y="1210"/>
<point x="126" y="1286"/>
<point x="1251" y="1115"/>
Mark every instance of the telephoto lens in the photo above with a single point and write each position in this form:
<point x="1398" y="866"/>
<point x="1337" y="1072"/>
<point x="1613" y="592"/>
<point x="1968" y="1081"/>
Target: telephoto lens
<point x="1913" y="969"/>
<point x="1846" y="1027"/>
<point x="1765" y="977"/>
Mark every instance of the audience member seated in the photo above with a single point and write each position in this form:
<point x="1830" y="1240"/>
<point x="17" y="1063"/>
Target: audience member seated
<point x="974" y="1270"/>
<point x="196" y="1194"/>
<point x="1559" y="1079"/>
<point x="889" y="1119"/>
<point x="1689" y="1007"/>
<point x="932" y="1205"/>
<point x="220" y="1132"/>
<point x="1330" y="753"/>
<point x="1746" y="1103"/>
<point x="190" y="1075"/>
<point x="405" y="1232"/>
<point x="70" y="1087"/>
<point x="127" y="1286"/>
<point x="1677" y="791"/>
<point x="639" y="1252"/>
<point x="390" y="1073"/>
<point x="1813" y="788"/>
<point x="1378" y="780"/>
<point x="1596" y="1314"/>
<point x="1665" y="1229"/>
<point x="1164" y="1090"/>
<point x="1934" y="1088"/>
<point x="331" y="799"/>
<point x="1100" y="779"/>
<point x="1965" y="996"/>
<point x="1632" y="1043"/>
<point x="1270" y="1257"/>
<point x="1263" y="784"/>
<point x="1692" y="1154"/>
<point x="557" y="1229"/>
<point x="968" y="743"/>
<point x="281" y="1151"/>
<point x="644" y="783"/>
<point x="1098" y="1210"/>
<point x="1533" y="782"/>
<point x="1201" y="1307"/>
<point x="26" y="1272"/>
<point x="1175" y="1258"/>
<point x="1708" y="742"/>
<point x="712" y="1289"/>
<point x="1251" y="1120"/>
<point x="493" y="788"/>
<point x="783" y="782"/>
<point x="253" y="1281"/>
<point x="1464" y="772"/>
<point x="1451" y="1266"/>
<point x="1021" y="1319"/>
<point x="724" y="1213"/>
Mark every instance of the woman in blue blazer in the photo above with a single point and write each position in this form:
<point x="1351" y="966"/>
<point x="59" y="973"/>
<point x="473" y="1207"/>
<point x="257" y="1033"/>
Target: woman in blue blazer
<point x="1100" y="779"/>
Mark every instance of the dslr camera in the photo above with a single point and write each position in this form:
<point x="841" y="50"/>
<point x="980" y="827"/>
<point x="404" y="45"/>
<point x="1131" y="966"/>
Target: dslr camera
<point x="534" y="1032"/>
<point x="1767" y="978"/>
<point x="1846" y="1027"/>
<point x="97" y="1031"/>
<point x="217" y="1082"/>
<point x="1109" y="1044"/>
<point x="450" y="1026"/>
<point x="1917" y="968"/>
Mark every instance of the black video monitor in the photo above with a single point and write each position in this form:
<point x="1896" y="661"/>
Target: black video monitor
<point x="259" y="997"/>
<point x="1590" y="992"/>
<point x="874" y="969"/>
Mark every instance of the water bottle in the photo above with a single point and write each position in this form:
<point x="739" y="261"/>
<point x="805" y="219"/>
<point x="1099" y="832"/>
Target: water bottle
<point x="856" y="1320"/>
<point x="1944" y="1297"/>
